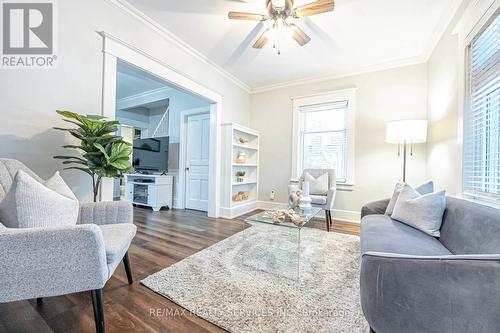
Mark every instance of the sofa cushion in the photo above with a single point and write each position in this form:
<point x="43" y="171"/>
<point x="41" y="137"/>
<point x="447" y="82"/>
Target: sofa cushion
<point x="117" y="239"/>
<point x="470" y="228"/>
<point x="380" y="233"/>
<point x="424" y="212"/>
<point x="422" y="189"/>
<point x="30" y="203"/>
<point x="318" y="199"/>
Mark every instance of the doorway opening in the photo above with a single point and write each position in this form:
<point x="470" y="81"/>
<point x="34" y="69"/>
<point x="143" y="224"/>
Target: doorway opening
<point x="175" y="112"/>
<point x="152" y="113"/>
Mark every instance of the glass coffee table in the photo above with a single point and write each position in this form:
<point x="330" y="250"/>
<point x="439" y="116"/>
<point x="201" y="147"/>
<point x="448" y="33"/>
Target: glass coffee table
<point x="278" y="251"/>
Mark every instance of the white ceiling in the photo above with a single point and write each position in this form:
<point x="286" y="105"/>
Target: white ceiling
<point x="360" y="35"/>
<point x="133" y="82"/>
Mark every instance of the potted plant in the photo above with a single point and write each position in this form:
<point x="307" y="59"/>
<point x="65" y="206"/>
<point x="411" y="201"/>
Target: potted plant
<point x="239" y="176"/>
<point x="102" y="154"/>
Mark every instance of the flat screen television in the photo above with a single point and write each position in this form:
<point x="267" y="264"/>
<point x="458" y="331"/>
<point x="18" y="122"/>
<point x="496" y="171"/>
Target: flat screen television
<point x="150" y="155"/>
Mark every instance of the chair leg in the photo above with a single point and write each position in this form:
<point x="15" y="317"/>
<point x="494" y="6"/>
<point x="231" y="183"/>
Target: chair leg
<point x="128" y="270"/>
<point x="98" y="310"/>
<point x="330" y="217"/>
<point x="327" y="219"/>
<point x="39" y="300"/>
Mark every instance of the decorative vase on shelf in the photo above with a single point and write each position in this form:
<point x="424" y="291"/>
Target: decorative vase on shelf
<point x="305" y="200"/>
<point x="241" y="158"/>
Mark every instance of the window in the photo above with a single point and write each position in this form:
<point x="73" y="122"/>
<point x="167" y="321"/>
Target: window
<point x="481" y="164"/>
<point x="324" y="134"/>
<point x="323" y="138"/>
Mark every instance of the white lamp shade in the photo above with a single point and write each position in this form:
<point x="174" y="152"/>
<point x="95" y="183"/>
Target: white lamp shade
<point x="411" y="131"/>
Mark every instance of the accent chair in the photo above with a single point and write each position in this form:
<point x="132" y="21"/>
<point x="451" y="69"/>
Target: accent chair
<point x="325" y="201"/>
<point x="59" y="260"/>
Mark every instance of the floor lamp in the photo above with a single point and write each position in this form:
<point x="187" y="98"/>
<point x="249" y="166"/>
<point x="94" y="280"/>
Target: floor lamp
<point x="404" y="133"/>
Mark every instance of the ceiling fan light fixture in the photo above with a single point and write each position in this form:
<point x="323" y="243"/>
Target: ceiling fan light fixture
<point x="278" y="3"/>
<point x="280" y="17"/>
<point x="279" y="33"/>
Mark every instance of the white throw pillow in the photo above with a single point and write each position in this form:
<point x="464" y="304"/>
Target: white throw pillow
<point x="422" y="189"/>
<point x="423" y="212"/>
<point x="29" y="203"/>
<point x="317" y="186"/>
<point x="56" y="183"/>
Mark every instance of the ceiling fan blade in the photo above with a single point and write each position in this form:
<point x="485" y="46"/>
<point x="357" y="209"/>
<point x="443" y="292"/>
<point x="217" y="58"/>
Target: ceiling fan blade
<point x="314" y="8"/>
<point x="246" y="16"/>
<point x="300" y="36"/>
<point x="261" y="41"/>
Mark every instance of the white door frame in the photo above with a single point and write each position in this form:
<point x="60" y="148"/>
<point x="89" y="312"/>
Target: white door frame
<point x="183" y="150"/>
<point x="114" y="49"/>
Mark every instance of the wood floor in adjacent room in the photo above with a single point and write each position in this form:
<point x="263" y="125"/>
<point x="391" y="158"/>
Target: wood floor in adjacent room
<point x="163" y="239"/>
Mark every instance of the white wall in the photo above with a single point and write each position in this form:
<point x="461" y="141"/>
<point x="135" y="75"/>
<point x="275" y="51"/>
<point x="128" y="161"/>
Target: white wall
<point x="446" y="74"/>
<point x="443" y="145"/>
<point x="29" y="98"/>
<point x="381" y="97"/>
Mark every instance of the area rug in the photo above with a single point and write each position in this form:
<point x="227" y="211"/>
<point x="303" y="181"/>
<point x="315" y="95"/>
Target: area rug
<point x="268" y="279"/>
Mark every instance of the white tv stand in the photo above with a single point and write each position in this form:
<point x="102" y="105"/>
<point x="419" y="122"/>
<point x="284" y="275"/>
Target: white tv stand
<point x="155" y="191"/>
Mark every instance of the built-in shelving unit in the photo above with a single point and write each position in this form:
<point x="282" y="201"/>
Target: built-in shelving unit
<point x="233" y="135"/>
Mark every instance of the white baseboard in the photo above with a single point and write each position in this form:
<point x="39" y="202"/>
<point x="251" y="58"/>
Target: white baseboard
<point x="176" y="203"/>
<point x="346" y="215"/>
<point x="232" y="212"/>
<point x="337" y="214"/>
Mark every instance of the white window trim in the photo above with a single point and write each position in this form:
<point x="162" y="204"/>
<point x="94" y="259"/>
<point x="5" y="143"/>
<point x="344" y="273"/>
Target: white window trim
<point x="475" y="16"/>
<point x="327" y="97"/>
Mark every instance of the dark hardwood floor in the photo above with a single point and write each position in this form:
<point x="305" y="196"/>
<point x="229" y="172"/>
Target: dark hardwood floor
<point x="163" y="239"/>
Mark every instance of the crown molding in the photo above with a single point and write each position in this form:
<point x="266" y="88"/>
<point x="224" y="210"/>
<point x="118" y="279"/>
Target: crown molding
<point x="443" y="24"/>
<point x="365" y="70"/>
<point x="426" y="53"/>
<point x="171" y="37"/>
<point x="475" y="15"/>
<point x="424" y="56"/>
<point x="146" y="97"/>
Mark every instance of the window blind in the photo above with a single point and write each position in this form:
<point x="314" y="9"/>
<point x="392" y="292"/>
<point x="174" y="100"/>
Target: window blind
<point x="323" y="138"/>
<point x="481" y="169"/>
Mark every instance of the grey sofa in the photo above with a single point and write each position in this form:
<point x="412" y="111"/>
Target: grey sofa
<point x="412" y="282"/>
<point x="53" y="261"/>
<point x="324" y="202"/>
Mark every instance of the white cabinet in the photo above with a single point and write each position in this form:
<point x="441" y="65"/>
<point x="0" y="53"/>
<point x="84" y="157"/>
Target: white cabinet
<point x="153" y="191"/>
<point x="240" y="147"/>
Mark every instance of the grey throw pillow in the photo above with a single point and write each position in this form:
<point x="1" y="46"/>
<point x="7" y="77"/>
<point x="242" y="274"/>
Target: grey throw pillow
<point x="423" y="212"/>
<point x="422" y="189"/>
<point x="29" y="203"/>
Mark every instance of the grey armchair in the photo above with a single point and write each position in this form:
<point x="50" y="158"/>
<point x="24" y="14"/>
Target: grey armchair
<point x="53" y="261"/>
<point x="322" y="201"/>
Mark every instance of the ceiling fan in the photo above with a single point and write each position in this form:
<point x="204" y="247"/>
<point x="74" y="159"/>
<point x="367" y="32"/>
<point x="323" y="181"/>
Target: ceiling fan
<point x="282" y="12"/>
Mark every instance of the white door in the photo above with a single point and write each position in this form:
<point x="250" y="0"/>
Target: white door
<point x="197" y="153"/>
